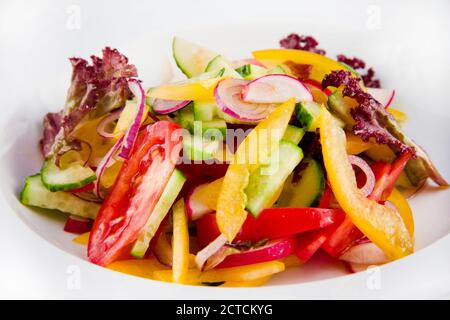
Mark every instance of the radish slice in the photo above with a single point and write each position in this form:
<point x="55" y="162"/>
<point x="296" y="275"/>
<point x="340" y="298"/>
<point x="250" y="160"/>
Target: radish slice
<point x="204" y="254"/>
<point x="195" y="208"/>
<point x="75" y="224"/>
<point x="133" y="130"/>
<point x="356" y="267"/>
<point x="275" y="249"/>
<point x="317" y="85"/>
<point x="383" y="96"/>
<point x="370" y="176"/>
<point x="366" y="253"/>
<point x="275" y="88"/>
<point x="228" y="97"/>
<point x="164" y="106"/>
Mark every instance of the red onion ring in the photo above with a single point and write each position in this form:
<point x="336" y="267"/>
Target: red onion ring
<point x="103" y="165"/>
<point x="131" y="134"/>
<point x="204" y="254"/>
<point x="102" y="125"/>
<point x="164" y="106"/>
<point x="365" y="168"/>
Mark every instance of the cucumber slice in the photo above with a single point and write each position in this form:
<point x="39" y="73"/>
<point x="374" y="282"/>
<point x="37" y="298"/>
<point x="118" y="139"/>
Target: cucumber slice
<point x="165" y="202"/>
<point x="197" y="148"/>
<point x="34" y="193"/>
<point x="306" y="192"/>
<point x="72" y="177"/>
<point x="213" y="130"/>
<point x="268" y="179"/>
<point x="204" y="110"/>
<point x="308" y="115"/>
<point x="341" y="107"/>
<point x="293" y="134"/>
<point x="251" y="71"/>
<point x="218" y="63"/>
<point x="186" y="118"/>
<point x="191" y="58"/>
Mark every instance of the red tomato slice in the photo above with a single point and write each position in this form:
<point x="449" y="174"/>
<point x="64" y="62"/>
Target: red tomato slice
<point x="275" y="249"/>
<point x="135" y="193"/>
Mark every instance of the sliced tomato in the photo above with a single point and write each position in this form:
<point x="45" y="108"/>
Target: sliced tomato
<point x="273" y="250"/>
<point x="135" y="193"/>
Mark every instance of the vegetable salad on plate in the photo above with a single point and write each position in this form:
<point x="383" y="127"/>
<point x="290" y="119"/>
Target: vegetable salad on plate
<point x="245" y="168"/>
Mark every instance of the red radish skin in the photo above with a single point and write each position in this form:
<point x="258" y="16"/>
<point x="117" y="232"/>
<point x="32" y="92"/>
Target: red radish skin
<point x="383" y="96"/>
<point x="163" y="106"/>
<point x="316" y="84"/>
<point x="275" y="249"/>
<point x="275" y="88"/>
<point x="227" y="94"/>
<point x="77" y="225"/>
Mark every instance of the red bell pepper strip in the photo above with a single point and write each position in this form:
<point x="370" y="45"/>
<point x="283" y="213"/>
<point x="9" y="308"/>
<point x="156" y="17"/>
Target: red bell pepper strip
<point x="274" y="223"/>
<point x="275" y="249"/>
<point x="135" y="193"/>
<point x="208" y="231"/>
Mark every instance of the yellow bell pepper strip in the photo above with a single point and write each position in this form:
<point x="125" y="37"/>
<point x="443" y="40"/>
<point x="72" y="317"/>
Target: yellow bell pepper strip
<point x="251" y="283"/>
<point x="236" y="274"/>
<point x="355" y="145"/>
<point x="180" y="241"/>
<point x="381" y="224"/>
<point x="254" y="150"/>
<point x="82" y="239"/>
<point x="292" y="261"/>
<point x="143" y="268"/>
<point x="321" y="65"/>
<point x="399" y="116"/>
<point x="402" y="206"/>
<point x="186" y="90"/>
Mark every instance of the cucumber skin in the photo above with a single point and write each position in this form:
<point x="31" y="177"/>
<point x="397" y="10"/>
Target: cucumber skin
<point x="293" y="134"/>
<point x="25" y="199"/>
<point x="65" y="186"/>
<point x="254" y="207"/>
<point x="304" y="113"/>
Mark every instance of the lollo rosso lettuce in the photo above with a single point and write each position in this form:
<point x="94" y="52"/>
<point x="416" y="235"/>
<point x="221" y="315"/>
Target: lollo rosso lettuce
<point x="95" y="89"/>
<point x="372" y="120"/>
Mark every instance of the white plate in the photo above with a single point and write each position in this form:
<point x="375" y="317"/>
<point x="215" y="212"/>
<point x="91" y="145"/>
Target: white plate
<point x="37" y="38"/>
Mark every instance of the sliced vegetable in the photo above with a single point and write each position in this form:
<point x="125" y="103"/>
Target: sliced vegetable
<point x="306" y="190"/>
<point x="34" y="193"/>
<point x="251" y="71"/>
<point x="74" y="176"/>
<point x="280" y="222"/>
<point x="275" y="88"/>
<point x="308" y="115"/>
<point x="203" y="199"/>
<point x="191" y="58"/>
<point x="369" y="176"/>
<point x="273" y="250"/>
<point x="379" y="223"/>
<point x="77" y="224"/>
<point x="204" y="110"/>
<point x="228" y="97"/>
<point x="135" y="193"/>
<point x="163" y="106"/>
<point x="366" y="253"/>
<point x="168" y="197"/>
<point x="143" y="268"/>
<point x="293" y="134"/>
<point x="180" y="243"/>
<point x="383" y="96"/>
<point x="269" y="178"/>
<point x="321" y="65"/>
<point x="232" y="199"/>
<point x="219" y="63"/>
<point x="197" y="148"/>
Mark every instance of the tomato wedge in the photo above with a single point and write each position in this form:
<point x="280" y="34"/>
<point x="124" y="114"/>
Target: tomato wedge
<point x="135" y="193"/>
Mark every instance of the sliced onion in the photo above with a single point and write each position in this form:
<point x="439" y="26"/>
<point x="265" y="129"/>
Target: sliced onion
<point x="365" y="168"/>
<point x="275" y="88"/>
<point x="132" y="132"/>
<point x="165" y="106"/>
<point x="228" y="97"/>
<point x="204" y="254"/>
<point x="75" y="224"/>
<point x="108" y="120"/>
<point x="365" y="253"/>
<point x="107" y="160"/>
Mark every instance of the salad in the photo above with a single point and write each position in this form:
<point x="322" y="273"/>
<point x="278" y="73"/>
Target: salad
<point x="235" y="173"/>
